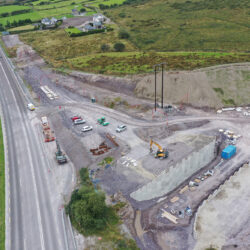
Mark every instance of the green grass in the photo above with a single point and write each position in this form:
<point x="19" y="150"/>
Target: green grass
<point x="2" y="192"/>
<point x="34" y="16"/>
<point x="56" y="46"/>
<point x="73" y="31"/>
<point x="137" y="62"/>
<point x="10" y="8"/>
<point x="190" y="26"/>
<point x="107" y="2"/>
<point x="84" y="53"/>
<point x="21" y="28"/>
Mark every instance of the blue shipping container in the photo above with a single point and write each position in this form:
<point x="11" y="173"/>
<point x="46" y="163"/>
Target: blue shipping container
<point x="228" y="152"/>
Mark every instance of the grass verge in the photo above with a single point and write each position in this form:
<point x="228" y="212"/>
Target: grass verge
<point x="2" y="193"/>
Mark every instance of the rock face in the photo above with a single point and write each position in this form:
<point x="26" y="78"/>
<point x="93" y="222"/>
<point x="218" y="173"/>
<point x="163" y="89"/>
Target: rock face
<point x="209" y="87"/>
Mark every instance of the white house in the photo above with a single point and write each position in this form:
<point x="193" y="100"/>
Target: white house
<point x="98" y="18"/>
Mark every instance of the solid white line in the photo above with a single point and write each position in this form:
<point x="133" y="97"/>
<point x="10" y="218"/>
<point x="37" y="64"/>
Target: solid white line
<point x="64" y="230"/>
<point x="72" y="235"/>
<point x="7" y="185"/>
<point x="32" y="168"/>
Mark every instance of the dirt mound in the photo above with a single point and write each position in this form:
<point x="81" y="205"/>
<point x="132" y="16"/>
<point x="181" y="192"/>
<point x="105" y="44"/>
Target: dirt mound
<point x="162" y="132"/>
<point x="210" y="87"/>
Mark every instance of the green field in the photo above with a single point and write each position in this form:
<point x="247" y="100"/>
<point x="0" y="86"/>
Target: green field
<point x="138" y="62"/>
<point x="54" y="8"/>
<point x="2" y="193"/>
<point x="178" y="25"/>
<point x="73" y="31"/>
<point x="56" y="46"/>
<point x="10" y="8"/>
<point x="23" y="28"/>
<point x="84" y="53"/>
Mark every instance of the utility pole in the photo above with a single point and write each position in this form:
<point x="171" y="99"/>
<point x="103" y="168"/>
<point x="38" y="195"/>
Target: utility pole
<point x="161" y="65"/>
<point x="155" y="86"/>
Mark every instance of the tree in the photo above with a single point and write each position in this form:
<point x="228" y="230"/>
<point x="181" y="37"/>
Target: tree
<point x="123" y="34"/>
<point x="7" y="24"/>
<point x="82" y="10"/>
<point x="119" y="47"/>
<point x="105" y="47"/>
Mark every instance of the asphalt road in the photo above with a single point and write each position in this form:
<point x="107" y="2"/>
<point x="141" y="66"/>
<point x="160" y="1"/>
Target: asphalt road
<point x="33" y="219"/>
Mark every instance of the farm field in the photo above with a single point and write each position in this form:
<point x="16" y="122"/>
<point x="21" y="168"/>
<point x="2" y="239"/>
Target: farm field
<point x="84" y="53"/>
<point x="56" y="46"/>
<point x="124" y="63"/>
<point x="10" y="8"/>
<point x="23" y="28"/>
<point x="186" y="26"/>
<point x="54" y="8"/>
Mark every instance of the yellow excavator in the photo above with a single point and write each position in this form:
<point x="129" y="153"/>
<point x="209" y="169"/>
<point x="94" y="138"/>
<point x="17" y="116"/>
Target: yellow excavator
<point x="160" y="153"/>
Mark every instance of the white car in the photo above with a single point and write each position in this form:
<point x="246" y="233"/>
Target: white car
<point x="86" y="128"/>
<point x="31" y="106"/>
<point x="121" y="128"/>
<point x="79" y="121"/>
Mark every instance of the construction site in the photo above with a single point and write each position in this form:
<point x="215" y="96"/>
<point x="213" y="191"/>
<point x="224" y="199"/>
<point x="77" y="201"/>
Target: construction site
<point x="177" y="162"/>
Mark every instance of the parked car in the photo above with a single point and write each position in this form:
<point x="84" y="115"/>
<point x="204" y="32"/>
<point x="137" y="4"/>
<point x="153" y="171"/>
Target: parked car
<point x="31" y="106"/>
<point x="86" y="128"/>
<point x="121" y="128"/>
<point x="79" y="121"/>
<point x="76" y="117"/>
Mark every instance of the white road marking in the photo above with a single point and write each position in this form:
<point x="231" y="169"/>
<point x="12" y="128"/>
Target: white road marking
<point x="32" y="168"/>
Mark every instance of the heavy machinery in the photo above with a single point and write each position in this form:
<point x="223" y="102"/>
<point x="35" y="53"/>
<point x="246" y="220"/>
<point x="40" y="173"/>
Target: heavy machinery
<point x="160" y="153"/>
<point x="102" y="121"/>
<point x="60" y="156"/>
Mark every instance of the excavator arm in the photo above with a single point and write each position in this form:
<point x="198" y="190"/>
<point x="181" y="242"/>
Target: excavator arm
<point x="156" y="144"/>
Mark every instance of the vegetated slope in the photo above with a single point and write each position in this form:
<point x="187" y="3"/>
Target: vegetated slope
<point x="84" y="53"/>
<point x="208" y="25"/>
<point x="56" y="46"/>
<point x="215" y="87"/>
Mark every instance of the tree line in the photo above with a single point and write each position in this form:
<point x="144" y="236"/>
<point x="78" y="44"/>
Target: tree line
<point x="13" y="13"/>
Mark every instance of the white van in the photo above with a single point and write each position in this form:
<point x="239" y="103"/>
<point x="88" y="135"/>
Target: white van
<point x="44" y="120"/>
<point x="31" y="106"/>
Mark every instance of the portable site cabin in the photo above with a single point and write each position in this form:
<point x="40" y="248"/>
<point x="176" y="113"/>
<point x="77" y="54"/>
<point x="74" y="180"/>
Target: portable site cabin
<point x="228" y="152"/>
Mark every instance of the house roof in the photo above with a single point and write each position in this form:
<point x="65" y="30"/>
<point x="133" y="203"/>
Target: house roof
<point x="45" y="19"/>
<point x="88" y="27"/>
<point x="97" y="23"/>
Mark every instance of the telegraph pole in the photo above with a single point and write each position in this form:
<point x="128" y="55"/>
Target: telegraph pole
<point x="161" y="65"/>
<point x="155" y="86"/>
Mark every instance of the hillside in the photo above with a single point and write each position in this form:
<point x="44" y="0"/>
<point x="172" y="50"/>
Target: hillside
<point x="207" y="25"/>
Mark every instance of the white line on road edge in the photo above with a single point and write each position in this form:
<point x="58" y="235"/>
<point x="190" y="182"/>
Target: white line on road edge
<point x="71" y="231"/>
<point x="14" y="74"/>
<point x="32" y="168"/>
<point x="7" y="185"/>
<point x="64" y="230"/>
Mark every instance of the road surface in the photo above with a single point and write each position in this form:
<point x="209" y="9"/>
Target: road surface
<point x="33" y="216"/>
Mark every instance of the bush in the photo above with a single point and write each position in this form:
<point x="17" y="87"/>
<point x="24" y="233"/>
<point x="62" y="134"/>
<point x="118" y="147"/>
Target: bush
<point x="123" y="34"/>
<point x="82" y="10"/>
<point x="122" y="15"/>
<point x="105" y="47"/>
<point x="119" y="47"/>
<point x="87" y="208"/>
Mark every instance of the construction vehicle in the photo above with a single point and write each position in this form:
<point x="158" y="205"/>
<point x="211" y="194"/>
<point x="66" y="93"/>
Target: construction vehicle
<point x="48" y="133"/>
<point x="60" y="156"/>
<point x="160" y="153"/>
<point x="102" y="121"/>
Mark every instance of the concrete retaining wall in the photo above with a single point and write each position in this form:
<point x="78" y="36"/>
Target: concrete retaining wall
<point x="175" y="175"/>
